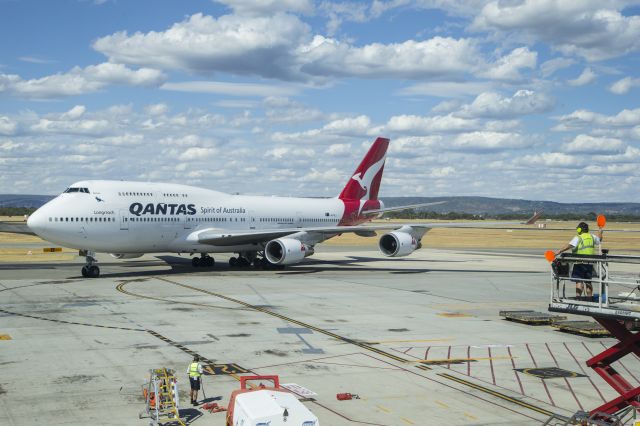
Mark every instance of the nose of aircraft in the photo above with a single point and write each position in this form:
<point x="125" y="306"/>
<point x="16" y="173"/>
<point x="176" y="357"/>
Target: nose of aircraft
<point x="37" y="221"/>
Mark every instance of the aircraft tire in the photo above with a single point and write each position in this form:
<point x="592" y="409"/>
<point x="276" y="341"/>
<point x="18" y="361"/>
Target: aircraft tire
<point x="233" y="262"/>
<point x="94" y="271"/>
<point x="85" y="271"/>
<point x="195" y="262"/>
<point x="209" y="261"/>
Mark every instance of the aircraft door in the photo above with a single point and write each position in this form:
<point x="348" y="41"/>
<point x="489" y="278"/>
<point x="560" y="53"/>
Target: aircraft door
<point x="124" y="220"/>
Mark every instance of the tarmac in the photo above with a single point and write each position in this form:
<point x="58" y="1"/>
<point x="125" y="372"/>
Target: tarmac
<point x="418" y="339"/>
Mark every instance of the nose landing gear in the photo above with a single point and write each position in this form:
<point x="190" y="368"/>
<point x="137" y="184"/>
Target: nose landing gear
<point x="90" y="269"/>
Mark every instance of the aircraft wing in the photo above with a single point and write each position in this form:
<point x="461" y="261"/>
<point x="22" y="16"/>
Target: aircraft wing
<point x="398" y="208"/>
<point x="16" y="228"/>
<point x="314" y="235"/>
<point x="219" y="237"/>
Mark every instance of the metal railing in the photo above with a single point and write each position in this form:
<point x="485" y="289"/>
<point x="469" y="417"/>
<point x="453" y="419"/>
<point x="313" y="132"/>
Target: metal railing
<point x="614" y="282"/>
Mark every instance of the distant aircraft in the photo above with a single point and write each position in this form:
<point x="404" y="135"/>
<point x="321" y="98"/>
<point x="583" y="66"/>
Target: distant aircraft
<point x="129" y="219"/>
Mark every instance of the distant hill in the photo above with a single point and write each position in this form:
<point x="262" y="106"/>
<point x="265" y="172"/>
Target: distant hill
<point x="18" y="200"/>
<point x="499" y="206"/>
<point x="473" y="205"/>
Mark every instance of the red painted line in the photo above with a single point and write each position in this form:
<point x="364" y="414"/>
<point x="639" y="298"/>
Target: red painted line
<point x="405" y="352"/>
<point x="426" y="354"/>
<point x="449" y="357"/>
<point x="584" y="372"/>
<point x="535" y="364"/>
<point x="513" y="364"/>
<point x="555" y="361"/>
<point x="493" y="375"/>
<point x="473" y="395"/>
<point x="623" y="366"/>
<point x="469" y="363"/>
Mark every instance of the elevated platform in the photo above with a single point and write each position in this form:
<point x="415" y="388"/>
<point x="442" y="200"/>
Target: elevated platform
<point x="608" y="289"/>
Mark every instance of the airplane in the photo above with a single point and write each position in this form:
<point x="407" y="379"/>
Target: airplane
<point x="128" y="219"/>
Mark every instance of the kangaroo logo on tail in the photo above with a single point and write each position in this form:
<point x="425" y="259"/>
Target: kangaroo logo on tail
<point x="365" y="181"/>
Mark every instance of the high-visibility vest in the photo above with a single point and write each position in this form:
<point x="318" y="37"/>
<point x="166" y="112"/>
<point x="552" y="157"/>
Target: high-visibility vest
<point x="193" y="370"/>
<point x="585" y="244"/>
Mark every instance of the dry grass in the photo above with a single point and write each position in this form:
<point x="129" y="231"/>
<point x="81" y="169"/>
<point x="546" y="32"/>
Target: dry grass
<point x="505" y="238"/>
<point x="436" y="238"/>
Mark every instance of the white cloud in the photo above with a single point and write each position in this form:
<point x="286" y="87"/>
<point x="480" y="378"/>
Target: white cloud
<point x="290" y="153"/>
<point x="494" y="105"/>
<point x="552" y="65"/>
<point x="446" y="89"/>
<point x="157" y="109"/>
<point x="585" y="144"/>
<point x="75" y="127"/>
<point x="484" y="141"/>
<point x="551" y="160"/>
<point x="593" y="29"/>
<point x="508" y="67"/>
<point x="268" y="7"/>
<point x="235" y="44"/>
<point x="581" y="118"/>
<point x="35" y="60"/>
<point x="79" y="81"/>
<point x="338" y="149"/>
<point x="196" y="154"/>
<point x="7" y="126"/>
<point x="74" y="113"/>
<point x="624" y="85"/>
<point x="414" y="124"/>
<point x="442" y="172"/>
<point x="586" y="77"/>
<point x="439" y="56"/>
<point x="231" y="89"/>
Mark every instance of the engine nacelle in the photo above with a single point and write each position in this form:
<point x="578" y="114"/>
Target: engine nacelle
<point x="286" y="251"/>
<point x="126" y="255"/>
<point x="397" y="243"/>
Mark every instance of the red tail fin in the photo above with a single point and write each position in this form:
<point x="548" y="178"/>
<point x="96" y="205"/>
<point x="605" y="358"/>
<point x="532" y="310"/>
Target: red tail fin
<point x="365" y="182"/>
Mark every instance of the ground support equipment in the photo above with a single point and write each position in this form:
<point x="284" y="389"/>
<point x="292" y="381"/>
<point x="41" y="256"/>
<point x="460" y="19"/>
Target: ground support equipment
<point x="615" y="305"/>
<point x="161" y="398"/>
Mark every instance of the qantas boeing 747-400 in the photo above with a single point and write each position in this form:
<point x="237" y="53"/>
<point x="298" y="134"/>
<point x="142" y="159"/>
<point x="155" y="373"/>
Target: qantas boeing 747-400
<point x="129" y="219"/>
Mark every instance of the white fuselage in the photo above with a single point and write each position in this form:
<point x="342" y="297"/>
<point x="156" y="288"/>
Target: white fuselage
<point x="138" y="217"/>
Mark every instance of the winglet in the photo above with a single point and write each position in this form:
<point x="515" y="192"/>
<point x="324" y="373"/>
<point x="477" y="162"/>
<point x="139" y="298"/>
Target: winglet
<point x="364" y="184"/>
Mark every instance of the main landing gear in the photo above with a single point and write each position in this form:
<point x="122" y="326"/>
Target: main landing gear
<point x="239" y="262"/>
<point x="90" y="269"/>
<point x="204" y="260"/>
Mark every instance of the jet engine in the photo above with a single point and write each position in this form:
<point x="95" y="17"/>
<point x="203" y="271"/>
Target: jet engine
<point x="286" y="251"/>
<point x="126" y="255"/>
<point x="397" y="243"/>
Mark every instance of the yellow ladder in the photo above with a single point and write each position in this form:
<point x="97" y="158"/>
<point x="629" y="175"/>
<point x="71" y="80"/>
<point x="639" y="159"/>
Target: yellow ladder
<point x="162" y="396"/>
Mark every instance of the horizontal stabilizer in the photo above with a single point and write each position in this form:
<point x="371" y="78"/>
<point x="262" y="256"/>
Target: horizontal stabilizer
<point x="399" y="208"/>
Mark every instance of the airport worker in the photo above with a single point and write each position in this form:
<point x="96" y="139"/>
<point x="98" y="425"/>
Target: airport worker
<point x="195" y="373"/>
<point x="583" y="243"/>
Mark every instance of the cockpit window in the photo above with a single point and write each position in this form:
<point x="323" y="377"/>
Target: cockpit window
<point x="72" y="189"/>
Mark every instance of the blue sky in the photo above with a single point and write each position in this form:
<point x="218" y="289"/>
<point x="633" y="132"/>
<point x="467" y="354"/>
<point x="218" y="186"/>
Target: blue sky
<point x="533" y="99"/>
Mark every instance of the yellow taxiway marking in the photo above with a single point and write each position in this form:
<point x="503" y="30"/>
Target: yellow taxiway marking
<point x="407" y="421"/>
<point x="442" y="404"/>
<point x="452" y="360"/>
<point x="469" y="416"/>
<point x="381" y="408"/>
<point x="453" y="315"/>
<point x="412" y="341"/>
<point x="5" y="337"/>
